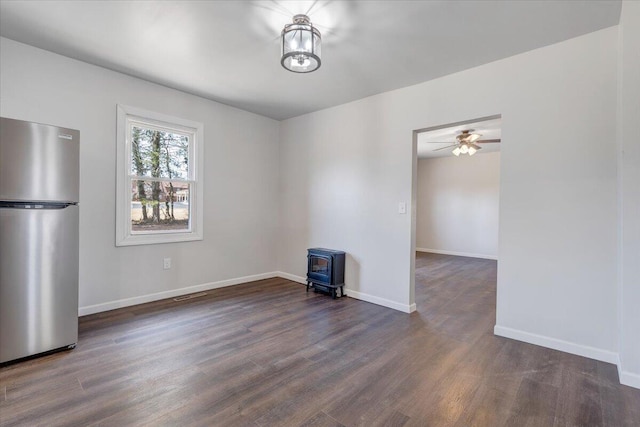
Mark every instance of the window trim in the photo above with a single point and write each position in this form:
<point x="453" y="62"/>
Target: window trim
<point x="126" y="115"/>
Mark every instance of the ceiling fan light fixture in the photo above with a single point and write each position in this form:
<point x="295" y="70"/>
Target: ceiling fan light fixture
<point x="301" y="43"/>
<point x="465" y="143"/>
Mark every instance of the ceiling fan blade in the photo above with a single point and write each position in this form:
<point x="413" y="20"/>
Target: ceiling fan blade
<point x="487" y="141"/>
<point x="473" y="137"/>
<point x="444" y="148"/>
<point x="477" y="147"/>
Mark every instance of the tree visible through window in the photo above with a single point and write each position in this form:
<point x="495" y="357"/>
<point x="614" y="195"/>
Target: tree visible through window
<point x="160" y="180"/>
<point x="162" y="202"/>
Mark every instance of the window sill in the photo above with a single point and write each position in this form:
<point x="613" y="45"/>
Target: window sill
<point x="153" y="239"/>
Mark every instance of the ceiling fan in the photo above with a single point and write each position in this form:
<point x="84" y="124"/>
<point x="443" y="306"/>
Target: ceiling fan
<point x="467" y="143"/>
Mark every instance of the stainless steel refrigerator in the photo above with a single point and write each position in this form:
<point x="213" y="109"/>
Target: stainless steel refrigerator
<point x="39" y="172"/>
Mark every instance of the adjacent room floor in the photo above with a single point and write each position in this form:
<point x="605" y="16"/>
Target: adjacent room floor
<point x="267" y="353"/>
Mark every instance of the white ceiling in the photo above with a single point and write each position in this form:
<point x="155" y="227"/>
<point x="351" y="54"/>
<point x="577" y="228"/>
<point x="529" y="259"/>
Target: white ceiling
<point x="228" y="51"/>
<point x="429" y="141"/>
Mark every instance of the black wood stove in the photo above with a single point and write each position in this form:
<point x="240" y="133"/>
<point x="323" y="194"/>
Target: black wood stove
<point x="325" y="270"/>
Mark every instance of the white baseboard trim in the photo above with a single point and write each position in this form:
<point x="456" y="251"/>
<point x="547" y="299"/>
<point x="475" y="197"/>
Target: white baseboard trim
<point x="557" y="344"/>
<point x="630" y="379"/>
<point x="358" y="295"/>
<point x="405" y="308"/>
<point x="467" y="254"/>
<point x="292" y="277"/>
<point x="626" y="377"/>
<point x="126" y="302"/>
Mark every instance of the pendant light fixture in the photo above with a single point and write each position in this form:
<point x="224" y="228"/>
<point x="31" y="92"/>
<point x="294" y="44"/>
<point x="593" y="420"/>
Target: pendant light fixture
<point x="301" y="43"/>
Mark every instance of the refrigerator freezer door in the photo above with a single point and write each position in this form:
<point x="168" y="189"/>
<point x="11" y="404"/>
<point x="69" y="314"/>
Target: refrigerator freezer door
<point x="38" y="162"/>
<point x="38" y="280"/>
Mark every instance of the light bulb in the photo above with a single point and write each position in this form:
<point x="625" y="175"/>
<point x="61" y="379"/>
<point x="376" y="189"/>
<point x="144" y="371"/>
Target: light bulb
<point x="472" y="151"/>
<point x="456" y="151"/>
<point x="464" y="149"/>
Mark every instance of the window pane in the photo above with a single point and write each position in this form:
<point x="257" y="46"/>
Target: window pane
<point x="159" y="206"/>
<point x="159" y="154"/>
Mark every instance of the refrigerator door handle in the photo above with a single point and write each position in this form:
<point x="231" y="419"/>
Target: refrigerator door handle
<point x="35" y="205"/>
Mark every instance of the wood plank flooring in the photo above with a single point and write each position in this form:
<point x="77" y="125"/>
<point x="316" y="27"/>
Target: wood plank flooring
<point x="268" y="354"/>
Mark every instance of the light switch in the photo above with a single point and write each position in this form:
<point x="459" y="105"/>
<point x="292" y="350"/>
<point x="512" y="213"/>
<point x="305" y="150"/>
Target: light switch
<point x="402" y="207"/>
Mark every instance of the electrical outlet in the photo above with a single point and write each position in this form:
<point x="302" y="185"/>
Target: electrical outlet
<point x="167" y="263"/>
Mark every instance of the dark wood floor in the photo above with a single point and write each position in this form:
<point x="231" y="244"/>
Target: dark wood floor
<point x="267" y="353"/>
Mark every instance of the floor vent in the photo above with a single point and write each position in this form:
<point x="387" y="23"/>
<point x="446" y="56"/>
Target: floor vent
<point x="190" y="296"/>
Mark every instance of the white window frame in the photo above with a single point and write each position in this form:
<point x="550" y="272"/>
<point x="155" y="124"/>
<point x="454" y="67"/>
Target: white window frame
<point x="126" y="117"/>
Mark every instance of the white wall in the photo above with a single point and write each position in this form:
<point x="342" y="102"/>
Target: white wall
<point x="630" y="193"/>
<point x="344" y="170"/>
<point x="241" y="167"/>
<point x="458" y="202"/>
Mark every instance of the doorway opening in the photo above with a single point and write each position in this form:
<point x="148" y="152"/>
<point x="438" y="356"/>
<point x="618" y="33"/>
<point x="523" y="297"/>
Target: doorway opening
<point x="455" y="220"/>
